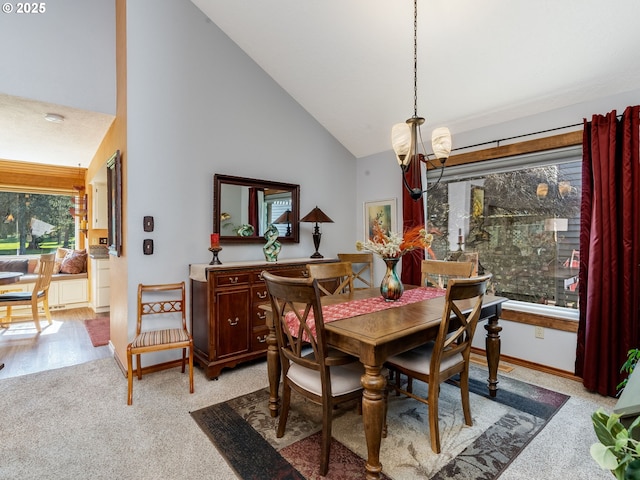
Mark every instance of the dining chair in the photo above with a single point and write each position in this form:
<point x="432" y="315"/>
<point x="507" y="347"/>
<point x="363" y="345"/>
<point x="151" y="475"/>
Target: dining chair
<point x="448" y="355"/>
<point x="38" y="296"/>
<point x="159" y="304"/>
<point x="324" y="377"/>
<point x="333" y="278"/>
<point x="436" y="273"/>
<point x="362" y="265"/>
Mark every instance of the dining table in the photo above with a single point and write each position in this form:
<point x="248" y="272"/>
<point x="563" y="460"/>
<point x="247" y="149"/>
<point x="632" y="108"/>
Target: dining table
<point x="5" y="279"/>
<point x="9" y="277"/>
<point x="373" y="335"/>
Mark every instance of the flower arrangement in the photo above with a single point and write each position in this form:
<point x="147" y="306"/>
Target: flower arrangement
<point x="392" y="244"/>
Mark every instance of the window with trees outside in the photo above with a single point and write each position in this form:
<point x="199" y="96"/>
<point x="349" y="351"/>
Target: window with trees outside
<point x="519" y="219"/>
<point x="36" y="223"/>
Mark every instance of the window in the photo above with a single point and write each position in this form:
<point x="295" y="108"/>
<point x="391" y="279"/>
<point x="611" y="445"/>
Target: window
<point x="34" y="223"/>
<point x="521" y="217"/>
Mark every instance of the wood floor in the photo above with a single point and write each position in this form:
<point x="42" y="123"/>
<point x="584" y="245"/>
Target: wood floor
<point x="23" y="350"/>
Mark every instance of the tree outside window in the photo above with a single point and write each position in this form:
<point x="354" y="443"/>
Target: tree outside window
<point x="33" y="223"/>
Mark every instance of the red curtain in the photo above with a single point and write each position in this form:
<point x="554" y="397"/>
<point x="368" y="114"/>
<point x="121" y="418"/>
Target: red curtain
<point x="609" y="249"/>
<point x="253" y="209"/>
<point x="412" y="216"/>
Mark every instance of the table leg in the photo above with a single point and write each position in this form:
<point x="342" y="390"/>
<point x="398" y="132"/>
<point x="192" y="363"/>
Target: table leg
<point x="493" y="351"/>
<point x="273" y="369"/>
<point x="373" y="410"/>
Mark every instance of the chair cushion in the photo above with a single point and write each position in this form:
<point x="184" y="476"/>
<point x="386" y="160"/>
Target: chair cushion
<point x="17" y="296"/>
<point x="419" y="359"/>
<point x="160" y="337"/>
<point x="344" y="378"/>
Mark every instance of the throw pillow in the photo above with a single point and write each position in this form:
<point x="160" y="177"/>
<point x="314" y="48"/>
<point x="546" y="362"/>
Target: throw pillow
<point x="74" y="262"/>
<point x="19" y="265"/>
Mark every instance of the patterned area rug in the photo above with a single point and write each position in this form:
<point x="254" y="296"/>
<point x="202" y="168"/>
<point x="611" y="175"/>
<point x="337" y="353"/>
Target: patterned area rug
<point x="98" y="330"/>
<point x="244" y="433"/>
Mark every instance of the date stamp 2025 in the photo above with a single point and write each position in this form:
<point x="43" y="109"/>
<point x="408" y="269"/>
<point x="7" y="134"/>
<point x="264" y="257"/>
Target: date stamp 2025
<point x="24" y="7"/>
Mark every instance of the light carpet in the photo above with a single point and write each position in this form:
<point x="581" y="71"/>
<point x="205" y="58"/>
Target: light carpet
<point x="73" y="423"/>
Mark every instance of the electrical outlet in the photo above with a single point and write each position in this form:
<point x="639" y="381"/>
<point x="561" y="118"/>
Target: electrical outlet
<point x="104" y="240"/>
<point x="539" y="332"/>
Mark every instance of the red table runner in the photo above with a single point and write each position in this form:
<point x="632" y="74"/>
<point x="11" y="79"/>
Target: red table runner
<point x="363" y="306"/>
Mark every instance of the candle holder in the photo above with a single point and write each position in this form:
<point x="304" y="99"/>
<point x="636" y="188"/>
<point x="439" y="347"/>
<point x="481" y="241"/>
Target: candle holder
<point x="215" y="260"/>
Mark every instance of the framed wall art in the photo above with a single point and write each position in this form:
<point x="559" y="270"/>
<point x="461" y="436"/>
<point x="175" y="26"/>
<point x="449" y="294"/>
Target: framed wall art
<point x="381" y="212"/>
<point x="114" y="187"/>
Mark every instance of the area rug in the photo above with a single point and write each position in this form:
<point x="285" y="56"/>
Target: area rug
<point x="98" y="330"/>
<point x="244" y="433"/>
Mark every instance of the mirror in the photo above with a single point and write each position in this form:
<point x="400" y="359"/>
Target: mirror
<point x="114" y="189"/>
<point x="243" y="208"/>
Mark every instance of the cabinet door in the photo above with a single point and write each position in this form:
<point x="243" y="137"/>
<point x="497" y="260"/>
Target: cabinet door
<point x="100" y="204"/>
<point x="233" y="326"/>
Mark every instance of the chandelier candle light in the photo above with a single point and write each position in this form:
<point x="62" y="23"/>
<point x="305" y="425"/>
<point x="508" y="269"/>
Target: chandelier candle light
<point x="406" y="138"/>
<point x="391" y="247"/>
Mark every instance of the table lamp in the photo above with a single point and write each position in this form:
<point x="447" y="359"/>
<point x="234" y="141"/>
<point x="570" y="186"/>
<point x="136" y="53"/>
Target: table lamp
<point x="318" y="216"/>
<point x="285" y="218"/>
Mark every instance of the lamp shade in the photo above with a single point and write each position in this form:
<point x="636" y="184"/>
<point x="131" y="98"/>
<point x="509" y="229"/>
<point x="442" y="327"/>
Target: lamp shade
<point x="284" y="218"/>
<point x="316" y="215"/>
<point x="401" y="142"/>
<point x="441" y="142"/>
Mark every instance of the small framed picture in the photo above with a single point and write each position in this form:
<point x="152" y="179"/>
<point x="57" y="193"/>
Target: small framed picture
<point x="382" y="213"/>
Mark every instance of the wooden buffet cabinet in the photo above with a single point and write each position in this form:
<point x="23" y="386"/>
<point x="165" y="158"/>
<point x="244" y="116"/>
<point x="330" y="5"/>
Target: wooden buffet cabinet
<point x="227" y="325"/>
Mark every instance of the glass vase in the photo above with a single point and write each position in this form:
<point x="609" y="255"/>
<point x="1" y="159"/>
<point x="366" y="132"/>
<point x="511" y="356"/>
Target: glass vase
<point x="391" y="287"/>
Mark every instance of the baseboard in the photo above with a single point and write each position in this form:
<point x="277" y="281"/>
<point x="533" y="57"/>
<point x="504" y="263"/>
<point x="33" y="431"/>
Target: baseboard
<point x="532" y="365"/>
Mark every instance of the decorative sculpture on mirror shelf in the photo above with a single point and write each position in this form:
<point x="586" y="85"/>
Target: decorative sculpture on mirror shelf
<point x="272" y="247"/>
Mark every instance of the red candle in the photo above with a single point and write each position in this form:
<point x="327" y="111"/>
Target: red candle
<point x="215" y="239"/>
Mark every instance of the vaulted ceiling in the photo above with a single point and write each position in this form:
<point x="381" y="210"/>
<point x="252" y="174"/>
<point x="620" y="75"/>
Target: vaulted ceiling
<point x="480" y="63"/>
<point x="482" y="66"/>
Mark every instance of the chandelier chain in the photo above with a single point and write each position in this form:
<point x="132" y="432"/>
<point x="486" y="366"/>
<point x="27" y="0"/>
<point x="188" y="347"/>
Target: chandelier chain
<point x="415" y="58"/>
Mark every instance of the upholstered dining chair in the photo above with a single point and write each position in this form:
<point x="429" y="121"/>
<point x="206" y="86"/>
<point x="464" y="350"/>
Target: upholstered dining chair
<point x="39" y="295"/>
<point x="436" y="273"/>
<point x="308" y="367"/>
<point x="362" y="265"/>
<point x="159" y="304"/>
<point x="333" y="278"/>
<point x="448" y="355"/>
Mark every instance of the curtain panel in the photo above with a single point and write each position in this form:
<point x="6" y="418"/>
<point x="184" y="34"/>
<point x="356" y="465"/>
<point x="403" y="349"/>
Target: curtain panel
<point x="609" y="323"/>
<point x="412" y="216"/>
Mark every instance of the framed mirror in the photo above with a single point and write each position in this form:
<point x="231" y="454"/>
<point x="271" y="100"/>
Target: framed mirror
<point x="243" y="208"/>
<point x="114" y="189"/>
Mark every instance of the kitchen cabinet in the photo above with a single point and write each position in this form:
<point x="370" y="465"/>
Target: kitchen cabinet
<point x="100" y="284"/>
<point x="100" y="206"/>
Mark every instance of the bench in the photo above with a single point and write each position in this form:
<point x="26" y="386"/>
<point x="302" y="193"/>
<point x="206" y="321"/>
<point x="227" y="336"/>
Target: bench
<point x="67" y="290"/>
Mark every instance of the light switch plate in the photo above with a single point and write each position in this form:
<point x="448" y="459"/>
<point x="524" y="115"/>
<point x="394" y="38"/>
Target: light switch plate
<point x="147" y="246"/>
<point x="148" y="224"/>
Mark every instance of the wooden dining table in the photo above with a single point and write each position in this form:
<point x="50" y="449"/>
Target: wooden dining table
<point x="374" y="337"/>
<point x="9" y="277"/>
<point x="5" y="279"/>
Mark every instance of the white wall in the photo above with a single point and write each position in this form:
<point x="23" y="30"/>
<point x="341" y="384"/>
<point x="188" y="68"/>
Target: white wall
<point x="64" y="56"/>
<point x="557" y="349"/>
<point x="197" y="105"/>
<point x="378" y="177"/>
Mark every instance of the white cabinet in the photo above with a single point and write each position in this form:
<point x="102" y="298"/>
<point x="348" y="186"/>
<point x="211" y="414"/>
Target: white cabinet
<point x="99" y="204"/>
<point x="100" y="284"/>
<point x="63" y="293"/>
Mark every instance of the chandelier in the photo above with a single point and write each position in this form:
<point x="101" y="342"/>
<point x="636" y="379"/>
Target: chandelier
<point x="406" y="138"/>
